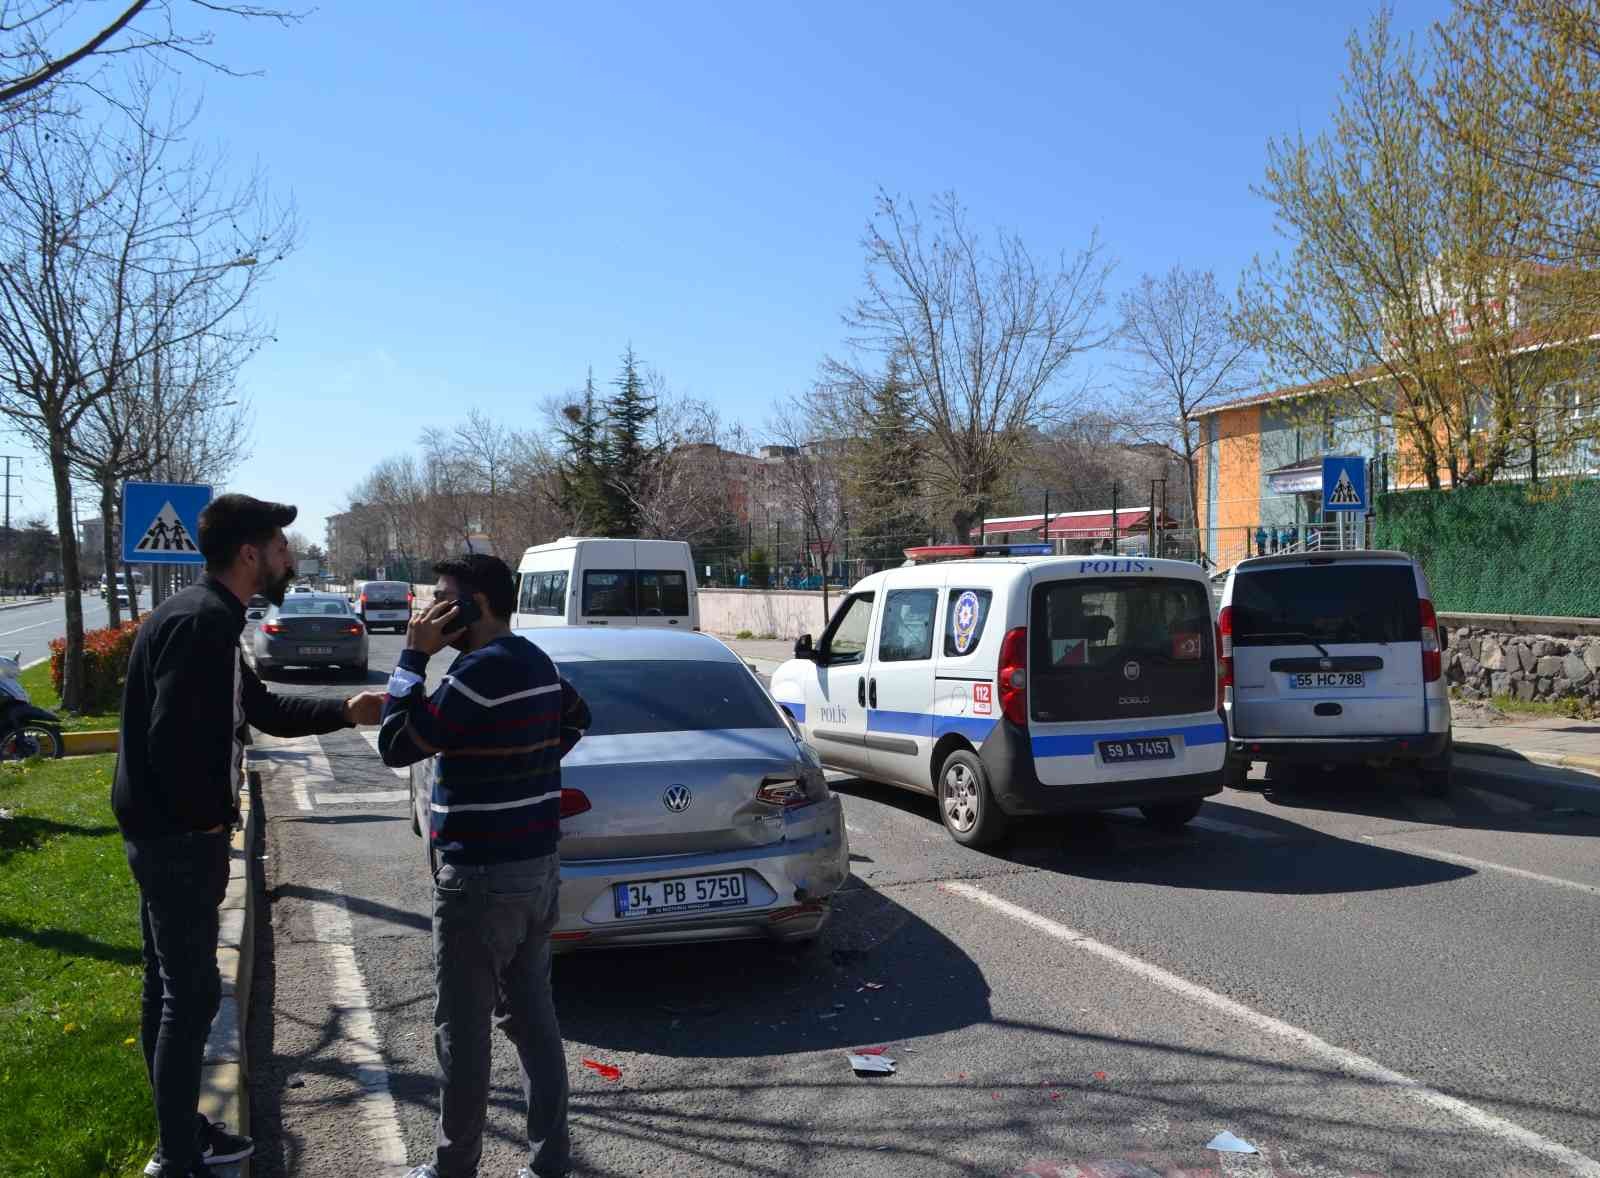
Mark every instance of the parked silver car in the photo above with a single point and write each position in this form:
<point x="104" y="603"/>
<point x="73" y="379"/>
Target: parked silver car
<point x="691" y="810"/>
<point x="311" y="630"/>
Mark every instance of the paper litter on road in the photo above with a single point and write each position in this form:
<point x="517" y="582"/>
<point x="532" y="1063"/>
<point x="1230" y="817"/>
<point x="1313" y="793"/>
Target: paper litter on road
<point x="871" y="1050"/>
<point x="1226" y="1142"/>
<point x="871" y="1065"/>
<point x="604" y="1070"/>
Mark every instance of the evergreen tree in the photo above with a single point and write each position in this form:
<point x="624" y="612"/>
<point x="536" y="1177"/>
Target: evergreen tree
<point x="885" y="464"/>
<point x="628" y="452"/>
<point x="584" y="485"/>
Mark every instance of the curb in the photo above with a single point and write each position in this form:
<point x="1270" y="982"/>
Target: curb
<point x="1542" y="783"/>
<point x="78" y="744"/>
<point x="1577" y="761"/>
<point x="224" y="1083"/>
<point x="24" y="604"/>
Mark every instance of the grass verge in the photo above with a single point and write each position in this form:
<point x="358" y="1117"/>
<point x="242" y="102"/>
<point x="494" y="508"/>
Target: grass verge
<point x="43" y="693"/>
<point x="76" y="1101"/>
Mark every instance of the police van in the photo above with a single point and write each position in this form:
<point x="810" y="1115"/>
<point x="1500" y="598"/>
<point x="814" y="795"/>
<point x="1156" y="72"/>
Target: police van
<point x="1007" y="683"/>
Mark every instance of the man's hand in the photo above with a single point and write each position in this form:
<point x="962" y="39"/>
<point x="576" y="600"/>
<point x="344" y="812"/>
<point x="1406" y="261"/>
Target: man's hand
<point x="365" y="708"/>
<point x="431" y="630"/>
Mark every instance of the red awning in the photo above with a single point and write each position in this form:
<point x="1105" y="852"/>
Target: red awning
<point x="1077" y="525"/>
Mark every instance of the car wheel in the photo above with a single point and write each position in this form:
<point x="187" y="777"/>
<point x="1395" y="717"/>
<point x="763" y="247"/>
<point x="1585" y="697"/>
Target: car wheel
<point x="1171" y="815"/>
<point x="966" y="804"/>
<point x="360" y="671"/>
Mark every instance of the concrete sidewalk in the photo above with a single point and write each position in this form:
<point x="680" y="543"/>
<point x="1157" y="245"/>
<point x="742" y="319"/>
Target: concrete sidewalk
<point x="764" y="654"/>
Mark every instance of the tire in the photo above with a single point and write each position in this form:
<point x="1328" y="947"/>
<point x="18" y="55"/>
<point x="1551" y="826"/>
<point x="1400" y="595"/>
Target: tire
<point x="360" y="672"/>
<point x="33" y="740"/>
<point x="1171" y="815"/>
<point x="966" y="803"/>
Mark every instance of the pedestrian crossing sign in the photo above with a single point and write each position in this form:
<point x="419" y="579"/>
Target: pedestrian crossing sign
<point x="1344" y="483"/>
<point x="161" y="522"/>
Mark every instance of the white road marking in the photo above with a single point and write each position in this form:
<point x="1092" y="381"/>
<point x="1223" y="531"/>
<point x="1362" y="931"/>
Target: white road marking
<point x="358" y="1045"/>
<point x="1359" y="1066"/>
<point x="370" y="735"/>
<point x="1484" y="865"/>
<point x="304" y="753"/>
<point x="366" y="797"/>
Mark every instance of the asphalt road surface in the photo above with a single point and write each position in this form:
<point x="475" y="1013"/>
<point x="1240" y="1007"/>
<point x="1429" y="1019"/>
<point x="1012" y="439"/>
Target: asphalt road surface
<point x="1352" y="978"/>
<point x="29" y="628"/>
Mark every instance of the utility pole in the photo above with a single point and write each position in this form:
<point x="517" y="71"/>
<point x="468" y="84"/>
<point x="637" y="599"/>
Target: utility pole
<point x="1115" y="487"/>
<point x="1044" y="533"/>
<point x="10" y="458"/>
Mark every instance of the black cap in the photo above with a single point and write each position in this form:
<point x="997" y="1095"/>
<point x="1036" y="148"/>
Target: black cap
<point x="230" y="521"/>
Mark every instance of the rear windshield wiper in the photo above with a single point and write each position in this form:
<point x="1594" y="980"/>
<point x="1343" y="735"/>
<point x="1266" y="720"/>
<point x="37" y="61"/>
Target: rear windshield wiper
<point x="1306" y="638"/>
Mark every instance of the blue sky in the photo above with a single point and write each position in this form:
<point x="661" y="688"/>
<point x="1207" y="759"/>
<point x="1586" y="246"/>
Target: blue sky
<point x="494" y="199"/>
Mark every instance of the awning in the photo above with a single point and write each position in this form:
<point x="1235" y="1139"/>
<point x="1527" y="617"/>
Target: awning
<point x="1079" y="525"/>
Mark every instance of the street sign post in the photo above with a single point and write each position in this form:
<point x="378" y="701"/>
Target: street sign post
<point x="161" y="522"/>
<point x="1344" y="483"/>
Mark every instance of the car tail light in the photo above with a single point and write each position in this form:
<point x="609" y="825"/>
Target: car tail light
<point x="574" y="802"/>
<point x="1014" y="676"/>
<point x="272" y="627"/>
<point x="575" y="935"/>
<point x="1224" y="649"/>
<point x="353" y="628"/>
<point x="1432" y="659"/>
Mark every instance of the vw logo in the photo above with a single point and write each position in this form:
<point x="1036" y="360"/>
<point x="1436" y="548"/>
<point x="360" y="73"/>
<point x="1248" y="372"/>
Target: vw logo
<point x="1131" y="670"/>
<point x="677" y="798"/>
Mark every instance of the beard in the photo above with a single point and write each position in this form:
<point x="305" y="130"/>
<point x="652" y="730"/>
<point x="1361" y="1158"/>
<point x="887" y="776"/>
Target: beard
<point x="276" y="590"/>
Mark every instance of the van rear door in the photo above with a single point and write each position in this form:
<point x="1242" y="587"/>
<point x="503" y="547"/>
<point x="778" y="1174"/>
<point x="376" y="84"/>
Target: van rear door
<point x="1326" y="649"/>
<point x="1122" y="680"/>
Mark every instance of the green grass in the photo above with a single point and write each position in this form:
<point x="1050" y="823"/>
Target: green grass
<point x="74" y="1101"/>
<point x="1570" y="708"/>
<point x="37" y="682"/>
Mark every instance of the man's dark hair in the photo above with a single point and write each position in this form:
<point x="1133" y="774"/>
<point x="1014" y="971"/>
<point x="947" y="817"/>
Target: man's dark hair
<point x="478" y="572"/>
<point x="229" y="522"/>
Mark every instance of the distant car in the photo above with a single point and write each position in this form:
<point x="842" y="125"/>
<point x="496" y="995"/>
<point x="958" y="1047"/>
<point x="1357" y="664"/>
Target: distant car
<point x="256" y="608"/>
<point x="302" y="589"/>
<point x="691" y="810"/>
<point x="386" y="603"/>
<point x="311" y="630"/>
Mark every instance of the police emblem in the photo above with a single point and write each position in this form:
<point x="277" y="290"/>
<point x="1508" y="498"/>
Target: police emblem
<point x="965" y="620"/>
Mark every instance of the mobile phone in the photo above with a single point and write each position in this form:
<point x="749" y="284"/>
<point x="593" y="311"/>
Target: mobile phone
<point x="467" y="612"/>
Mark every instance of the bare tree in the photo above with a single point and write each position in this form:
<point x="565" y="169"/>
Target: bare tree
<point x="811" y="479"/>
<point x="1177" y="331"/>
<point x="115" y="246"/>
<point x="44" y="42"/>
<point x="985" y="332"/>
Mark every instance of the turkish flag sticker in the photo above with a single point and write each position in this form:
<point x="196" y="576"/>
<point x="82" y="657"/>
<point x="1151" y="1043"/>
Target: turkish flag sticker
<point x="1186" y="645"/>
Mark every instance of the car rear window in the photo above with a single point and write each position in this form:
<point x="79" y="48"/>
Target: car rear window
<point x="625" y="593"/>
<point x="313" y="605"/>
<point x="1120" y="649"/>
<point x="661" y="695"/>
<point x="1327" y="603"/>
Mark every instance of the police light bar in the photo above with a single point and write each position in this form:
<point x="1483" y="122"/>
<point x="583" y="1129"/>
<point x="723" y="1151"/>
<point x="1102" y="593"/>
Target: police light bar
<point x="933" y="552"/>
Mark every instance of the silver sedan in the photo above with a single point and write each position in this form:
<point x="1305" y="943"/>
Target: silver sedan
<point x="691" y="810"/>
<point x="311" y="630"/>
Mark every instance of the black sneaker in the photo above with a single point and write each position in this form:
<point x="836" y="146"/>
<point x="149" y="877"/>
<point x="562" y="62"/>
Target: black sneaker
<point x="217" y="1145"/>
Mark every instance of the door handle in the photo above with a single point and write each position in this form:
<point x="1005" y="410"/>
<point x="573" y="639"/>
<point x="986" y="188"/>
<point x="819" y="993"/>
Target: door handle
<point x="872" y="692"/>
<point x="861" y="691"/>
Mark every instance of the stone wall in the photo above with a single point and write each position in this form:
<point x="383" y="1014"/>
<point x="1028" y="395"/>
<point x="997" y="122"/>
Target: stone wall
<point x="1483" y="663"/>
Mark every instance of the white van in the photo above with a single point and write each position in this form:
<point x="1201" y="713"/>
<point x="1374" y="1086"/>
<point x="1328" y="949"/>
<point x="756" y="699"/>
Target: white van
<point x="1334" y="658"/>
<point x="581" y="581"/>
<point x="1008" y="685"/>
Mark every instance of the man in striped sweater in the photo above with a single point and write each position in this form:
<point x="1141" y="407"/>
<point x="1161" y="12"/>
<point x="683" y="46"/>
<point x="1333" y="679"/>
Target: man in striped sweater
<point x="499" y="724"/>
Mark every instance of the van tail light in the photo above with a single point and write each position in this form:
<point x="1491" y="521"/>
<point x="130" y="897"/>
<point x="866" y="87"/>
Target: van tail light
<point x="574" y="802"/>
<point x="1432" y="659"/>
<point x="272" y="627"/>
<point x="1224" y="651"/>
<point x="1014" y="676"/>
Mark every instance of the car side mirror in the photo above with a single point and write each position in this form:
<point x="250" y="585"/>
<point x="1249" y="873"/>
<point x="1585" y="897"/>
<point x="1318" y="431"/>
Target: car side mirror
<point x="803" y="648"/>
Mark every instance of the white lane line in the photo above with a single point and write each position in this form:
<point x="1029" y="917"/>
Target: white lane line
<point x="1348" y="1062"/>
<point x="300" y="758"/>
<point x="370" y="735"/>
<point x="366" y="797"/>
<point x="1499" y="803"/>
<point x="1484" y="865"/>
<point x="358" y="1045"/>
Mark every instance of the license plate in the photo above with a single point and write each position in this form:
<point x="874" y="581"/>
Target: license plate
<point x="1317" y="680"/>
<point x="1153" y="748"/>
<point x="316" y="650"/>
<point x="689" y="893"/>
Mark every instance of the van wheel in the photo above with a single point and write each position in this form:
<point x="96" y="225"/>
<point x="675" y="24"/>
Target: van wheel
<point x="966" y="804"/>
<point x="1171" y="815"/>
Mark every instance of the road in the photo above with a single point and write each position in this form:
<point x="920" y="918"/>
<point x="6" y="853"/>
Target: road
<point x="1355" y="979"/>
<point x="29" y="628"/>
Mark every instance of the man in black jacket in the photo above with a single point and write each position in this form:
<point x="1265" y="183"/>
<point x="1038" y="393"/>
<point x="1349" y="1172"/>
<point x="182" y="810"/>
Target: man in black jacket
<point x="188" y="697"/>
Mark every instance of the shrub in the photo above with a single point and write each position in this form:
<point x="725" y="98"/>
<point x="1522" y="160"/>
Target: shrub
<point x="105" y="666"/>
<point x="744" y="634"/>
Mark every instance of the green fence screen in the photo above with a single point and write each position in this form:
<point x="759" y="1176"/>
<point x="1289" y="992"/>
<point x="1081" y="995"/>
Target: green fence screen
<point x="1507" y="548"/>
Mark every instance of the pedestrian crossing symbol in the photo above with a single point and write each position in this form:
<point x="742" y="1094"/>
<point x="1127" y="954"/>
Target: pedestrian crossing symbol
<point x="1344" y="483"/>
<point x="161" y="522"/>
<point x="165" y="534"/>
